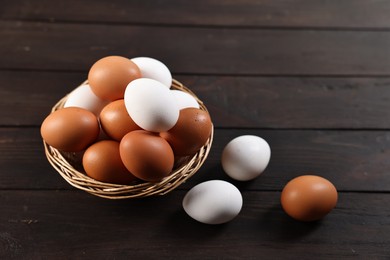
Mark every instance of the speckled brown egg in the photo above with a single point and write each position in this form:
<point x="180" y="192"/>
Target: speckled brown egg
<point x="308" y="197"/>
<point x="190" y="132"/>
<point x="109" y="76"/>
<point x="146" y="155"/>
<point x="70" y="129"/>
<point x="115" y="120"/>
<point x="102" y="162"/>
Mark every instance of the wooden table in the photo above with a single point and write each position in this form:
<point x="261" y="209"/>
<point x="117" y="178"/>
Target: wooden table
<point x="310" y="77"/>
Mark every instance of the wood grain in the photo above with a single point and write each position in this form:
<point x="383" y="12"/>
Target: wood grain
<point x="310" y="77"/>
<point x="70" y="224"/>
<point x="349" y="14"/>
<point x="27" y="97"/>
<point x="352" y="160"/>
<point x="31" y="45"/>
<point x="244" y="102"/>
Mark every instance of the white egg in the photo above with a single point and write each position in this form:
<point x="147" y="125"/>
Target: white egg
<point x="154" y="69"/>
<point x="245" y="157"/>
<point x="151" y="105"/>
<point x="83" y="97"/>
<point x="184" y="100"/>
<point x="213" y="202"/>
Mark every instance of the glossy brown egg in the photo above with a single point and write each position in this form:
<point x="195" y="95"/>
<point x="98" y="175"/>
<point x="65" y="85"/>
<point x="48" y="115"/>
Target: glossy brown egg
<point x="115" y="120"/>
<point x="102" y="162"/>
<point x="109" y="76"/>
<point x="146" y="155"/>
<point x="308" y="198"/>
<point x="70" y="129"/>
<point x="190" y="132"/>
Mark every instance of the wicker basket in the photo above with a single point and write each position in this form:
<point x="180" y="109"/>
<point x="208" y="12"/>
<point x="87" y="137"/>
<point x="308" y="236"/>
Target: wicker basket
<point x="182" y="171"/>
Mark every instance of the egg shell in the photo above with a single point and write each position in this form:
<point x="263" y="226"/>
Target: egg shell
<point x="109" y="76"/>
<point x="308" y="197"/>
<point x="154" y="69"/>
<point x="245" y="157"/>
<point x="190" y="133"/>
<point x="184" y="99"/>
<point x="213" y="202"/>
<point x="70" y="129"/>
<point x="102" y="162"/>
<point x="146" y="155"/>
<point x="115" y="120"/>
<point x="151" y="105"/>
<point x="83" y="97"/>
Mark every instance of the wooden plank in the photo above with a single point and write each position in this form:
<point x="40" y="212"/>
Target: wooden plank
<point x="23" y="162"/>
<point x="75" y="47"/>
<point x="27" y="97"/>
<point x="265" y="13"/>
<point x="265" y="102"/>
<point x="38" y="225"/>
<point x="294" y="102"/>
<point x="352" y="160"/>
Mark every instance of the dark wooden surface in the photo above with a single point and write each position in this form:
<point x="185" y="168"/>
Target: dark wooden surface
<point x="311" y="77"/>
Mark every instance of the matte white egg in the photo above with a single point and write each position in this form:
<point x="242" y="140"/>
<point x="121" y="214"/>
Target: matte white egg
<point x="154" y="69"/>
<point x="151" y="105"/>
<point x="83" y="97"/>
<point x="246" y="157"/>
<point x="184" y="100"/>
<point x="213" y="202"/>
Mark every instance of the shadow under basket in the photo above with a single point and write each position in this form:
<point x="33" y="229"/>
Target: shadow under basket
<point x="74" y="175"/>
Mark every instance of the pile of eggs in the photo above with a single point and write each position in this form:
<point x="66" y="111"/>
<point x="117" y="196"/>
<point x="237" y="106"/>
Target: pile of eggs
<point x="216" y="201"/>
<point x="129" y="126"/>
<point x="127" y="123"/>
<point x="304" y="198"/>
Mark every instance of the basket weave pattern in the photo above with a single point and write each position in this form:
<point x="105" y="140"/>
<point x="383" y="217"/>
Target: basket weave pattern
<point x="184" y="170"/>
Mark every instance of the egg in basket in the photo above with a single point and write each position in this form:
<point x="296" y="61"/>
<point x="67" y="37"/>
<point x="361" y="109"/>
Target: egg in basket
<point x="129" y="131"/>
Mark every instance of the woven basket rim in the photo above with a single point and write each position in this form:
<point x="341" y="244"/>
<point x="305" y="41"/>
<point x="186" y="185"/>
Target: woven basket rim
<point x="187" y="168"/>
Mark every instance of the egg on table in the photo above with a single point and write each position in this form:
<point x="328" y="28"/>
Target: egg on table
<point x="308" y="197"/>
<point x="213" y="202"/>
<point x="245" y="157"/>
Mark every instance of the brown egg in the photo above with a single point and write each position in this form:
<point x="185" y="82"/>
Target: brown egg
<point x="115" y="120"/>
<point x="308" y="198"/>
<point x="70" y="129"/>
<point x="146" y="155"/>
<point x="109" y="76"/>
<point x="190" y="132"/>
<point x="102" y="162"/>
